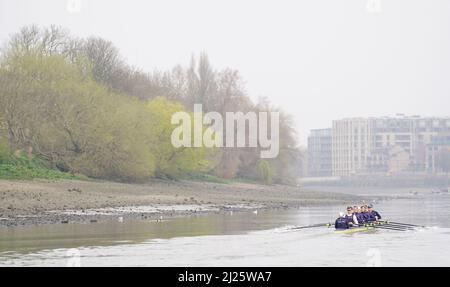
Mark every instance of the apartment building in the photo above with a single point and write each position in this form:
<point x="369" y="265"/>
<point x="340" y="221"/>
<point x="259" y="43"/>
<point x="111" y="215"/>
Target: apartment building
<point x="352" y="143"/>
<point x="386" y="145"/>
<point x="438" y="151"/>
<point x="319" y="153"/>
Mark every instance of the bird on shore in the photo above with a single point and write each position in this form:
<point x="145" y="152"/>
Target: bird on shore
<point x="120" y="219"/>
<point x="255" y="211"/>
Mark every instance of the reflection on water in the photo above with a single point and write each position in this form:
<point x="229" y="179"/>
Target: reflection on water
<point x="28" y="238"/>
<point x="240" y="239"/>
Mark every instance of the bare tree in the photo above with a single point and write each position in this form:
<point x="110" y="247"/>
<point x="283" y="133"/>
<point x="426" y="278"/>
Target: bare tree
<point x="106" y="62"/>
<point x="47" y="41"/>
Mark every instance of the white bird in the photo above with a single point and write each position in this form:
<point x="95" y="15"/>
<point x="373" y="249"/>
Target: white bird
<point x="120" y="219"/>
<point x="255" y="212"/>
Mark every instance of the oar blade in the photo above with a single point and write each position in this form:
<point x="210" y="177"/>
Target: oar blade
<point x="312" y="226"/>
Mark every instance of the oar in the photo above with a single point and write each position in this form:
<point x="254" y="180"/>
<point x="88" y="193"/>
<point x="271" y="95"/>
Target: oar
<point x="314" y="225"/>
<point x="383" y="225"/>
<point x="378" y="223"/>
<point x="388" y="226"/>
<point x="391" y="228"/>
<point x="398" y="227"/>
<point x="404" y="224"/>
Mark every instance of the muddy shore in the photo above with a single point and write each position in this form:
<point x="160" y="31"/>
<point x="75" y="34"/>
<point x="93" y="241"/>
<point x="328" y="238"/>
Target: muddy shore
<point x="68" y="201"/>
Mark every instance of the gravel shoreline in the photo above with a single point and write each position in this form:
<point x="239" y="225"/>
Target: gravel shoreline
<point x="71" y="201"/>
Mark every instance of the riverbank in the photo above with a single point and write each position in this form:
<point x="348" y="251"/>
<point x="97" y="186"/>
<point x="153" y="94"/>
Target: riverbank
<point x="70" y="201"/>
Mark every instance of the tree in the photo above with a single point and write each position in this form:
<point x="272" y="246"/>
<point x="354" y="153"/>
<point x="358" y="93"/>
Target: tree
<point x="265" y="172"/>
<point x="286" y="164"/>
<point x="57" y="112"/>
<point x="76" y="104"/>
<point x="172" y="162"/>
<point x="53" y="40"/>
<point x="4" y="146"/>
<point x="231" y="97"/>
<point x="107" y="66"/>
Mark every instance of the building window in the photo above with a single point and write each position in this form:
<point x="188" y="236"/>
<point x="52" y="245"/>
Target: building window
<point x="402" y="137"/>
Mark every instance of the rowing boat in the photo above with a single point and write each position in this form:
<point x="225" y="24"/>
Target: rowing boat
<point x="370" y="226"/>
<point x="354" y="230"/>
<point x="388" y="225"/>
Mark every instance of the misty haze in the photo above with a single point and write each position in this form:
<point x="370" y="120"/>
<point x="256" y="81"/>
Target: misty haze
<point x="148" y="133"/>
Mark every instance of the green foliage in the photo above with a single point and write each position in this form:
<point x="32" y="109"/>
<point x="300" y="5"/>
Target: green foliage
<point x="23" y="168"/>
<point x="245" y="180"/>
<point x="76" y="123"/>
<point x="4" y="145"/>
<point x="265" y="172"/>
<point x="172" y="162"/>
<point x="79" y="125"/>
<point x="78" y="107"/>
<point x="205" y="177"/>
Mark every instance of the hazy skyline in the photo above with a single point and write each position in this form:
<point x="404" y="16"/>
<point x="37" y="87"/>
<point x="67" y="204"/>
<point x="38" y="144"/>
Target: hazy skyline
<point x="317" y="60"/>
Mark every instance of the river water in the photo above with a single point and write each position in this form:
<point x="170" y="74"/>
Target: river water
<point x="239" y="239"/>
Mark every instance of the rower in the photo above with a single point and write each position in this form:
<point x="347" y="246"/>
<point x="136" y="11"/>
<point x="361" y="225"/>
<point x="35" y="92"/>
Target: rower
<point x="351" y="217"/>
<point x="374" y="213"/>
<point x="368" y="215"/>
<point x="341" y="222"/>
<point x="359" y="215"/>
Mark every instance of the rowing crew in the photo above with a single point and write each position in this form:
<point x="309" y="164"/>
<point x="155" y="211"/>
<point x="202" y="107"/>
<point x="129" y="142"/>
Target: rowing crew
<point x="356" y="216"/>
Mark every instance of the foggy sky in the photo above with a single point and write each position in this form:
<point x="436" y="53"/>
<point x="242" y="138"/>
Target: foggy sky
<point x="319" y="60"/>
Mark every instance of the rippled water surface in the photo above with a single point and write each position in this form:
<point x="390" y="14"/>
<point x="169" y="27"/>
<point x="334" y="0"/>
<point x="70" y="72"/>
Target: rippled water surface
<point x="239" y="239"/>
